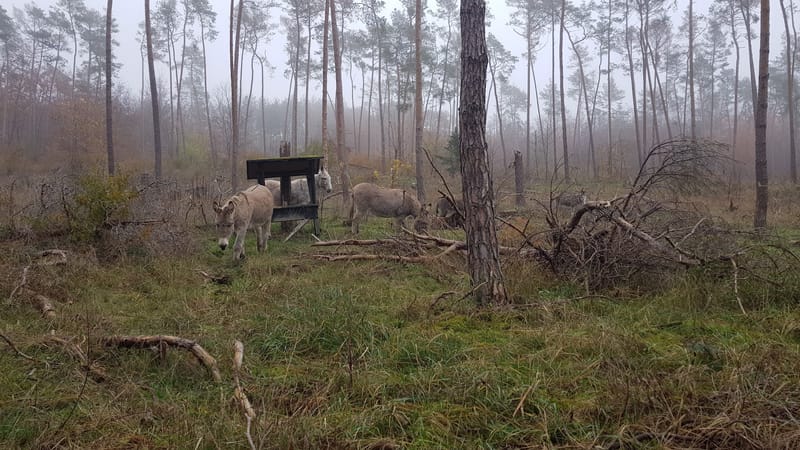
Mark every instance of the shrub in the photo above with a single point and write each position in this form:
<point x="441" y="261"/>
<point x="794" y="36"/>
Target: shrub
<point x="100" y="202"/>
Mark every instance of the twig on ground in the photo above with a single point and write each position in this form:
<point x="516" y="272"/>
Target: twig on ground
<point x="21" y="284"/>
<point x="736" y="285"/>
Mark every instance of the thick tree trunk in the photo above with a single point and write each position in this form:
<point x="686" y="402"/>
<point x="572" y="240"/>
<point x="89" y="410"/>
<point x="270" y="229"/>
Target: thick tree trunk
<point x="482" y="250"/>
<point x="762" y="179"/>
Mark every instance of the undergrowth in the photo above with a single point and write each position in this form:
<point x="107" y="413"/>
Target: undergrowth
<point x="390" y="355"/>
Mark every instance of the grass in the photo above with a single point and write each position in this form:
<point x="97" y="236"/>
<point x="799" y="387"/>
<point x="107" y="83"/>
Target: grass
<point x="362" y="355"/>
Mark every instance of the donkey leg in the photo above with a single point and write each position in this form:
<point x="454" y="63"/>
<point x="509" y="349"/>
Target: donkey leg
<point x="261" y="241"/>
<point x="238" y="247"/>
<point x="356" y="219"/>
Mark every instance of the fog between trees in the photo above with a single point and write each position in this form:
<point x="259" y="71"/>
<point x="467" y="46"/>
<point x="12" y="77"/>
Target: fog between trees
<point x="628" y="83"/>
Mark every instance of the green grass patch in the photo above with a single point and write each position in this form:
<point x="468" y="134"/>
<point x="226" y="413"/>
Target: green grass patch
<point x="366" y="355"/>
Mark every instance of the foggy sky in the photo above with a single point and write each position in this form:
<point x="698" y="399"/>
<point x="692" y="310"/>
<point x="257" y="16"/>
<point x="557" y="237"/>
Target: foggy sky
<point x="129" y="13"/>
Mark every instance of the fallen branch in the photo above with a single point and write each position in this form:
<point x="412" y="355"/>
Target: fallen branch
<point x="61" y="254"/>
<point x="641" y="235"/>
<point x="92" y="369"/>
<point x="368" y="257"/>
<point x="16" y="350"/>
<point x="222" y="279"/>
<point x="336" y="243"/>
<point x="173" y="341"/>
<point x="44" y="304"/>
<point x="21" y="284"/>
<point x="238" y="392"/>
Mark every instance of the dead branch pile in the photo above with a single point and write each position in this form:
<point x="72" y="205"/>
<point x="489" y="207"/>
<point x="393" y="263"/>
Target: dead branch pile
<point x="651" y="229"/>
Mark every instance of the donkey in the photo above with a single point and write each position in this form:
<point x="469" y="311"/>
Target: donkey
<point x="570" y="200"/>
<point x="451" y="213"/>
<point x="253" y="206"/>
<point x="300" y="194"/>
<point x="368" y="198"/>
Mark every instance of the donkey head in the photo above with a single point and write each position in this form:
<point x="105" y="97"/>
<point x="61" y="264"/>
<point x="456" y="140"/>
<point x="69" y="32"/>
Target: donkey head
<point x="224" y="222"/>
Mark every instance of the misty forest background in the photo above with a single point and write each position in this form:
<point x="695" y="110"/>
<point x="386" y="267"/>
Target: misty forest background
<point x="635" y="73"/>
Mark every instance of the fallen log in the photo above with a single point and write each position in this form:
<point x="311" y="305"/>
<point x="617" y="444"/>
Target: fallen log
<point x="93" y="369"/>
<point x="173" y="341"/>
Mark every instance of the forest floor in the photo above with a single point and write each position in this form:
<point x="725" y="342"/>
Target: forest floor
<point x="385" y="354"/>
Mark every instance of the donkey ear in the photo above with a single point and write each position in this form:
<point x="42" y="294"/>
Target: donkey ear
<point x="217" y="207"/>
<point x="228" y="208"/>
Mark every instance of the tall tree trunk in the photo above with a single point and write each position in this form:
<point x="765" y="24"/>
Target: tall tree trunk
<point x="380" y="104"/>
<point x="608" y="88"/>
<point x="790" y="95"/>
<point x="483" y="256"/>
<point x="325" y="26"/>
<point x="296" y="98"/>
<point x="542" y="133"/>
<point x="308" y="81"/>
<point x="444" y="79"/>
<point x="735" y="82"/>
<point x="589" y="115"/>
<point x="179" y="83"/>
<point x="691" y="71"/>
<point x="553" y="89"/>
<point x="749" y="32"/>
<point x="629" y="50"/>
<point x="499" y="115"/>
<point x="263" y="110"/>
<point x="529" y="63"/>
<point x="762" y="179"/>
<point x="561" y="88"/>
<point x="418" y="118"/>
<point x="212" y="148"/>
<point x="109" y="128"/>
<point x="234" y="33"/>
<point x="153" y="89"/>
<point x="340" y="145"/>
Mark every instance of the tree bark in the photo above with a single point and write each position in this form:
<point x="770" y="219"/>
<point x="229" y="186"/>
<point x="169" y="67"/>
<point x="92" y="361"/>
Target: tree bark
<point x="762" y="181"/>
<point x="153" y="89"/>
<point x="483" y="254"/>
